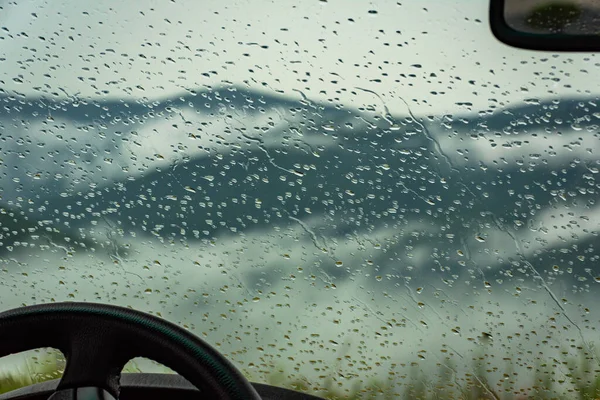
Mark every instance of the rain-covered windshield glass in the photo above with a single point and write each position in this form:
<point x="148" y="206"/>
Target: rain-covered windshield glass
<point x="341" y="197"/>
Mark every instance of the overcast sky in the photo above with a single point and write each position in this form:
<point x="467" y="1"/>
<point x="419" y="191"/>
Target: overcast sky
<point x="104" y="49"/>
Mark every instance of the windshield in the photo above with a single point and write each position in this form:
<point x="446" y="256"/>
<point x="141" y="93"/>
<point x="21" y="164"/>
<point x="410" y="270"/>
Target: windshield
<point x="342" y="197"/>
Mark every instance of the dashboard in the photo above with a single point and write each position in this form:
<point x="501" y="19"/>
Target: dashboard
<point x="153" y="387"/>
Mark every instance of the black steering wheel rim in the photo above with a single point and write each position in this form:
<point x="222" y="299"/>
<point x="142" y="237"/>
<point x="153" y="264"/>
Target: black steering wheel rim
<point x="98" y="339"/>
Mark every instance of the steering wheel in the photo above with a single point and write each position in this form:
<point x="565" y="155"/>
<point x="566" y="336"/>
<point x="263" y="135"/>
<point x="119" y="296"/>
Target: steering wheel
<point x="98" y="340"/>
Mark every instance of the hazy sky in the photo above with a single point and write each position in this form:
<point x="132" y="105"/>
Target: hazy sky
<point x="326" y="49"/>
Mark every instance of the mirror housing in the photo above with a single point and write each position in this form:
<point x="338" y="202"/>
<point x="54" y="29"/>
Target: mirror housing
<point x="547" y="25"/>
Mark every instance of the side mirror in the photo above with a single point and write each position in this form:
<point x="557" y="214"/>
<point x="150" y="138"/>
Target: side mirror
<point x="550" y="25"/>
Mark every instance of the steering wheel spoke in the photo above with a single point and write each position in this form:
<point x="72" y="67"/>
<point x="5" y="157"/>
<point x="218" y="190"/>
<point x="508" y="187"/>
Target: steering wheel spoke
<point x="83" y="393"/>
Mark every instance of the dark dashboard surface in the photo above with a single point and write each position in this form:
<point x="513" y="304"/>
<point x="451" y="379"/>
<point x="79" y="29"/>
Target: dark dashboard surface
<point x="154" y="386"/>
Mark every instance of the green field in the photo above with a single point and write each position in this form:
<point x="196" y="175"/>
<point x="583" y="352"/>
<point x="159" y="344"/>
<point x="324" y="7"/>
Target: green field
<point x="582" y="381"/>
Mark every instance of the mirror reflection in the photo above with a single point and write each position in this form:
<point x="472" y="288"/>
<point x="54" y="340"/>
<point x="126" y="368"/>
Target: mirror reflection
<point x="568" y="17"/>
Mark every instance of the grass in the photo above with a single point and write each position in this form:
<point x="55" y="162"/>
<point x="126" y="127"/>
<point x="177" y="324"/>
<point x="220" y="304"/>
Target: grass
<point x="29" y="368"/>
<point x="580" y="380"/>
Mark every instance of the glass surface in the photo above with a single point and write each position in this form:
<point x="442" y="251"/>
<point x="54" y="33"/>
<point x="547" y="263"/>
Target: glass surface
<point x="338" y="195"/>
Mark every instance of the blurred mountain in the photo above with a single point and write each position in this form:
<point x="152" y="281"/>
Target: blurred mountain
<point x="255" y="161"/>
